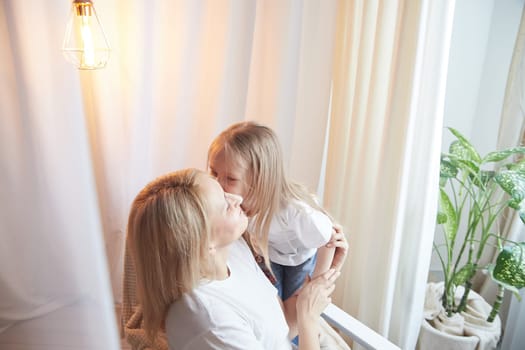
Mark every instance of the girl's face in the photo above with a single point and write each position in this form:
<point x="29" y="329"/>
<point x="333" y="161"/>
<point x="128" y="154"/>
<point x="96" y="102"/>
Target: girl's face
<point x="232" y="176"/>
<point x="228" y="221"/>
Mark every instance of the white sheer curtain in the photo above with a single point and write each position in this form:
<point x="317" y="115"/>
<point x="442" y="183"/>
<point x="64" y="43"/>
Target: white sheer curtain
<point x="77" y="146"/>
<point x="54" y="286"/>
<point x="383" y="156"/>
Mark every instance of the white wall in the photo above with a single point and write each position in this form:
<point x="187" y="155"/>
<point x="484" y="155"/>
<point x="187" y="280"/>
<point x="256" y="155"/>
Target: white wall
<point x="482" y="43"/>
<point x="470" y="36"/>
<point x="505" y="24"/>
<point x="481" y="51"/>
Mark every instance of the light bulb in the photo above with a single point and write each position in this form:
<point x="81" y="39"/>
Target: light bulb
<point x="85" y="44"/>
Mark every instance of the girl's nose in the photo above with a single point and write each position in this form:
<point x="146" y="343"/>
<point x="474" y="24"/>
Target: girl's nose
<point x="233" y="199"/>
<point x="222" y="181"/>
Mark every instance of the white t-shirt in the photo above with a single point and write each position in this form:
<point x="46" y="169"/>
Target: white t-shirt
<point x="296" y="232"/>
<point x="240" y="312"/>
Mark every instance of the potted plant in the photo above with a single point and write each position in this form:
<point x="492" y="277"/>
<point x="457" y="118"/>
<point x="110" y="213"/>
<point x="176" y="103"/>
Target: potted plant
<point x="474" y="194"/>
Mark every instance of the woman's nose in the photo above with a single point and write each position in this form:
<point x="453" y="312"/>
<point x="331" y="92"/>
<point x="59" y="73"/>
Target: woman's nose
<point x="233" y="199"/>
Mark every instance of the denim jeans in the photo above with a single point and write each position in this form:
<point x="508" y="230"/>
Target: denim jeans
<point x="291" y="278"/>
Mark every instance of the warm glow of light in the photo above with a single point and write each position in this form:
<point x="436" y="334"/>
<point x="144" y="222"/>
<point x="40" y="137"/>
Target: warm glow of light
<point x="88" y="47"/>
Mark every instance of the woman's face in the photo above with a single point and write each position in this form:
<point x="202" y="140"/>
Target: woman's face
<point x="232" y="176"/>
<point x="228" y="221"/>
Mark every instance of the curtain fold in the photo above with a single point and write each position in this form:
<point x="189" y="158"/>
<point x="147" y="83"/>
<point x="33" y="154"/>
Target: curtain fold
<point x="290" y="78"/>
<point x="51" y="251"/>
<point x="383" y="155"/>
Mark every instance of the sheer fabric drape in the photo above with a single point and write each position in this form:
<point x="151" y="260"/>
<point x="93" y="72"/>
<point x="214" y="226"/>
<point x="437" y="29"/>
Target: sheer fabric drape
<point x="54" y="286"/>
<point x="77" y="146"/>
<point x="383" y="155"/>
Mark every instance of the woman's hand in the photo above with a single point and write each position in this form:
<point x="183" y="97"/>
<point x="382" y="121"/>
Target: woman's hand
<point x="312" y="299"/>
<point x="338" y="240"/>
<point x="314" y="296"/>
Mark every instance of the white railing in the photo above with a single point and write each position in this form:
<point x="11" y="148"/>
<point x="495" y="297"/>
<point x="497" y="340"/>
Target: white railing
<point x="356" y="330"/>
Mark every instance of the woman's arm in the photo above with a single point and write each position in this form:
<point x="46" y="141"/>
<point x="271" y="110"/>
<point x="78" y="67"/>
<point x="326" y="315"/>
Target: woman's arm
<point x="311" y="301"/>
<point x="332" y="257"/>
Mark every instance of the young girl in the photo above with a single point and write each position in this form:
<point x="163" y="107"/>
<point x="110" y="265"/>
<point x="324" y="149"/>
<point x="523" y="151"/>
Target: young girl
<point x="288" y="225"/>
<point x="199" y="282"/>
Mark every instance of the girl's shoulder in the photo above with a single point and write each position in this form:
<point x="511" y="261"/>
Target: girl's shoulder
<point x="298" y="207"/>
<point x="298" y="210"/>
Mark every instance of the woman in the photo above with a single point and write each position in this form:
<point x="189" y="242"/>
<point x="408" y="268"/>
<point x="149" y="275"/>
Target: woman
<point x="197" y="279"/>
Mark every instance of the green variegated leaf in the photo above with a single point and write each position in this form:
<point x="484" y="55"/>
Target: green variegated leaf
<point x="441" y="218"/>
<point x="509" y="287"/>
<point x="514" y="203"/>
<point x="450" y="226"/>
<point x="510" y="266"/>
<point x="513" y="183"/>
<point x="467" y="166"/>
<point x="522" y="215"/>
<point x="486" y="176"/>
<point x="482" y="178"/>
<point x="519" y="166"/>
<point x="463" y="274"/>
<point x="447" y="169"/>
<point x="501" y="155"/>
<point x="458" y="151"/>
<point x="467" y="150"/>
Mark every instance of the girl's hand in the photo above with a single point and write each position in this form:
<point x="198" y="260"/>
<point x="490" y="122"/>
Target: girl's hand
<point x="338" y="240"/>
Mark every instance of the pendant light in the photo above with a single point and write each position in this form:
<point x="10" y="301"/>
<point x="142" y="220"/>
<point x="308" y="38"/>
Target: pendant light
<point x="85" y="44"/>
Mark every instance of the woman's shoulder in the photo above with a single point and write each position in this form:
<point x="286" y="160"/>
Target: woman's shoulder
<point x="199" y="321"/>
<point x="192" y="309"/>
<point x="187" y="319"/>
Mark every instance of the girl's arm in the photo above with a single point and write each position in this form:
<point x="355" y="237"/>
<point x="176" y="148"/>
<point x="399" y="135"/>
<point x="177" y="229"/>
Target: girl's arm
<point x="325" y="256"/>
<point x="290" y="314"/>
<point x="339" y="242"/>
<point x="333" y="253"/>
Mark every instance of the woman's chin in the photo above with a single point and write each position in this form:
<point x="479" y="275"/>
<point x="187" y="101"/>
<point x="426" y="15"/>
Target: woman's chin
<point x="246" y="210"/>
<point x="244" y="228"/>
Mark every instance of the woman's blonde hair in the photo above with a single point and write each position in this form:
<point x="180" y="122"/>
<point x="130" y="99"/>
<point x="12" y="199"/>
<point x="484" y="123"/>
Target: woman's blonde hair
<point x="258" y="148"/>
<point x="168" y="236"/>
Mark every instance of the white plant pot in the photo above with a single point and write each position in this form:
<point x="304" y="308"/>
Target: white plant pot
<point x="468" y="330"/>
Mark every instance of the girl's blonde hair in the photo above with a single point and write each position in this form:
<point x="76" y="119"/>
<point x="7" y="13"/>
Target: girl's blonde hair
<point x="258" y="148"/>
<point x="168" y="236"/>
